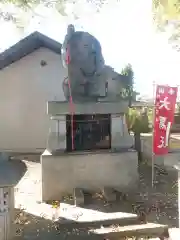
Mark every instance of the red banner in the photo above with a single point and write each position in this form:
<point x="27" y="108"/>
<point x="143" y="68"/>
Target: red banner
<point x="165" y="102"/>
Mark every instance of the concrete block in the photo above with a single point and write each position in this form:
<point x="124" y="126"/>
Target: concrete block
<point x="168" y="161"/>
<point x="62" y="108"/>
<point x="147" y="151"/>
<point x="120" y="137"/>
<point x="93" y="171"/>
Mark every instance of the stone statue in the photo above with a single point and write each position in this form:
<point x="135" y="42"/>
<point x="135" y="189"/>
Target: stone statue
<point x="90" y="79"/>
<point x="70" y="31"/>
<point x="82" y="56"/>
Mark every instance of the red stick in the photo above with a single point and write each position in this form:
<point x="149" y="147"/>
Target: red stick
<point x="71" y="100"/>
<point x="72" y="113"/>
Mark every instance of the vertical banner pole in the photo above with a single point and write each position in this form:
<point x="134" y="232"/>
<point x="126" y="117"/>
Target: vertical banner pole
<point x="153" y="118"/>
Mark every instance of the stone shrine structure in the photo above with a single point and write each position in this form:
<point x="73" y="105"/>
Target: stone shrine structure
<point x="10" y="174"/>
<point x="92" y="90"/>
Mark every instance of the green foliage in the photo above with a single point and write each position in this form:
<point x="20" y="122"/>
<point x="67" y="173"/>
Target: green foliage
<point x="128" y="71"/>
<point x="137" y="121"/>
<point x="128" y="91"/>
<point x="59" y="5"/>
<point x="178" y="109"/>
<point x="23" y="4"/>
<point x="168" y="9"/>
<point x="165" y="12"/>
<point x="130" y="117"/>
<point x="25" y="10"/>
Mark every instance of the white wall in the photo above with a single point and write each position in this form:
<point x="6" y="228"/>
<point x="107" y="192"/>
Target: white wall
<point x="25" y="87"/>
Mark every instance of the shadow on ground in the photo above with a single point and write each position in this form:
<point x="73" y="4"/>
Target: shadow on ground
<point x="158" y="203"/>
<point x="28" y="226"/>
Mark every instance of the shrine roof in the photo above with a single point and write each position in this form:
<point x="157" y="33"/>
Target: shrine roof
<point x="26" y="46"/>
<point x="11" y="172"/>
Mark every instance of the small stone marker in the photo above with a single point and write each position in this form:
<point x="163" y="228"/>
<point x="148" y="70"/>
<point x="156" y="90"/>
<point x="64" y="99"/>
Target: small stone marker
<point x="9" y="177"/>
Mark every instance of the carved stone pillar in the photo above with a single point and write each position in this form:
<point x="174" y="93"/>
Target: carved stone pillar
<point x="120" y="137"/>
<point x="57" y="133"/>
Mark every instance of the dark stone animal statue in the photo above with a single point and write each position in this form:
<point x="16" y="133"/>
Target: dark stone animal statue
<point x="89" y="79"/>
<point x="85" y="66"/>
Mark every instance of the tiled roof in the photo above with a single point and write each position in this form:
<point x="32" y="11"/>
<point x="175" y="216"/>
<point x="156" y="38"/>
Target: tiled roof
<point x="26" y="46"/>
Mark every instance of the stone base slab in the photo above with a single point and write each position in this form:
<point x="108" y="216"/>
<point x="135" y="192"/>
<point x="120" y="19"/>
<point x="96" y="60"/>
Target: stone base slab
<point x="62" y="108"/>
<point x="61" y="173"/>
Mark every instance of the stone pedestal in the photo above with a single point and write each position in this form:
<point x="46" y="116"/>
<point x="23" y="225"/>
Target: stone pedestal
<point x="116" y="168"/>
<point x="61" y="173"/>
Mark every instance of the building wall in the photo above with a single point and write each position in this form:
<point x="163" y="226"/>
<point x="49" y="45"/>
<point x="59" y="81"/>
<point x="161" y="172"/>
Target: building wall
<point x="25" y="87"/>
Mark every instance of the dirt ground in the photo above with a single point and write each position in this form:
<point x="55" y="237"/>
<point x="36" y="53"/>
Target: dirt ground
<point x="34" y="219"/>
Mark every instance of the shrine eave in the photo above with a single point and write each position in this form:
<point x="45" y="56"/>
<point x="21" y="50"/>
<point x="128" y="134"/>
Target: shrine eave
<point x="63" y="108"/>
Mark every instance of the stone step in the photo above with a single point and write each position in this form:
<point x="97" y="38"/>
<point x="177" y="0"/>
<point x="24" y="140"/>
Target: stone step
<point x="97" y="219"/>
<point x="145" y="231"/>
<point x="142" y="230"/>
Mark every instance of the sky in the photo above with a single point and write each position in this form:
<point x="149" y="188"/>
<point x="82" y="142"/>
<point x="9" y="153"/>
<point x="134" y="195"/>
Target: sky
<point x="125" y="31"/>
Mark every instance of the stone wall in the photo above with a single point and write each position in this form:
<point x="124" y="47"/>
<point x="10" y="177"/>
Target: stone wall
<point x="167" y="161"/>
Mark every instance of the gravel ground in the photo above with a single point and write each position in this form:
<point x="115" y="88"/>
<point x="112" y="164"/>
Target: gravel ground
<point x="34" y="219"/>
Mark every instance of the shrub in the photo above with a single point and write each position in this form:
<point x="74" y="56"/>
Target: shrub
<point x="137" y="122"/>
